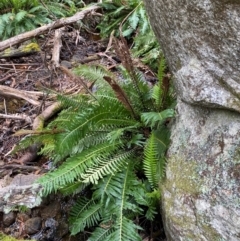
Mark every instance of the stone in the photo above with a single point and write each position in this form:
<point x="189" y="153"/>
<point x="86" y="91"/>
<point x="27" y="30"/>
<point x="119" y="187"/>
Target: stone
<point x="33" y="225"/>
<point x="201" y="43"/>
<point x="50" y="229"/>
<point x="22" y="191"/>
<point x="9" y="218"/>
<point x="51" y="210"/>
<point x="66" y="64"/>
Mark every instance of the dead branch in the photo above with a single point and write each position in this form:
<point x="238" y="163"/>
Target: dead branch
<point x="88" y="59"/>
<point x="30" y="96"/>
<point x="57" y="47"/>
<point x="22" y="167"/>
<point x="17" y="117"/>
<point x="23" y="50"/>
<point x="57" y="24"/>
<point x="38" y="124"/>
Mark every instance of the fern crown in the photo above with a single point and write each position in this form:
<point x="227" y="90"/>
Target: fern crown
<point x="114" y="144"/>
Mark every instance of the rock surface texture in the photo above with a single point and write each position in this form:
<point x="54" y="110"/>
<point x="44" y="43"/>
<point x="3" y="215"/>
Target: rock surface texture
<point x="19" y="191"/>
<point x="201" y="42"/>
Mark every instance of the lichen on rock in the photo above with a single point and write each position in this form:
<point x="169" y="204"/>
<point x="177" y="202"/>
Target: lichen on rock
<point x="201" y="43"/>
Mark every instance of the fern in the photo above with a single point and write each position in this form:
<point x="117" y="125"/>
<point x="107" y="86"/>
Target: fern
<point x="153" y="119"/>
<point x="150" y="161"/>
<point x="20" y="16"/>
<point x="75" y="166"/>
<point x="86" y="213"/>
<point x="105" y="167"/>
<point x="120" y="14"/>
<point x="125" y="228"/>
<point x="100" y="234"/>
<point x="112" y="141"/>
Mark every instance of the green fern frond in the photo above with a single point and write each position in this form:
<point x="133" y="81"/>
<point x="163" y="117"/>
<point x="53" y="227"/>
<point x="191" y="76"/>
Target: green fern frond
<point x="148" y="200"/>
<point x="126" y="231"/>
<point x="84" y="123"/>
<point x="161" y="69"/>
<point x="116" y="192"/>
<point x="108" y="187"/>
<point x="36" y="9"/>
<point x="150" y="161"/>
<point x="158" y="90"/>
<point x="92" y="73"/>
<point x="153" y="119"/>
<point x="86" y="213"/>
<point x="6" y="17"/>
<point x="91" y="139"/>
<point x="76" y="102"/>
<point x="162" y="138"/>
<point x="74" y="167"/>
<point x="20" y="16"/>
<point x="24" y="143"/>
<point x="137" y="89"/>
<point x="106" y="166"/>
<point x="100" y="234"/>
<point x="73" y="188"/>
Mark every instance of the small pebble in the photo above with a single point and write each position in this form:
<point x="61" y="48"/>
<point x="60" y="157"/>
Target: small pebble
<point x="33" y="225"/>
<point x="9" y="218"/>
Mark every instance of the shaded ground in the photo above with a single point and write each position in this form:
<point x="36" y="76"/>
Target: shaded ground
<point x="35" y="73"/>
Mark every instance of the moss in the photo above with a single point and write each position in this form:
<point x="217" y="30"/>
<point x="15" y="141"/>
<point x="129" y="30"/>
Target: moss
<point x="30" y="47"/>
<point x="23" y="50"/>
<point x="211" y="233"/>
<point x="183" y="181"/>
<point x="183" y="176"/>
<point x="4" y="237"/>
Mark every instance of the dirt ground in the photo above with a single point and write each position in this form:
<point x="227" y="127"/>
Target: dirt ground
<point x="35" y="73"/>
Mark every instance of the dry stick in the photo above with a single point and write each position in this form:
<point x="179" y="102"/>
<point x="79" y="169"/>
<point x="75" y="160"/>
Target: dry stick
<point x="17" y="117"/>
<point x="30" y="96"/>
<point x="57" y="24"/>
<point x="22" y="167"/>
<point x="38" y="124"/>
<point x="57" y="47"/>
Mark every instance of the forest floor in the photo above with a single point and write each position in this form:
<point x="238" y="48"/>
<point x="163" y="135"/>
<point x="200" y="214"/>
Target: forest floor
<point x="35" y="73"/>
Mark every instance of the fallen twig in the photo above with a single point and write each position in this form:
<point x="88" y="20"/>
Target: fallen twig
<point x="38" y="124"/>
<point x="30" y="96"/>
<point x="23" y="167"/>
<point x="57" y="47"/>
<point x="17" y="117"/>
<point x="57" y="24"/>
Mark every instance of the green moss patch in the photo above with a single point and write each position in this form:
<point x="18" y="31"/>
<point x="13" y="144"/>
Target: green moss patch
<point x="4" y="237"/>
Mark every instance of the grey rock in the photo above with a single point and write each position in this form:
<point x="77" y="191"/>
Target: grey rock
<point x="33" y="225"/>
<point x="66" y="64"/>
<point x="21" y="191"/>
<point x="50" y="231"/>
<point x="9" y="218"/>
<point x="201" y="42"/>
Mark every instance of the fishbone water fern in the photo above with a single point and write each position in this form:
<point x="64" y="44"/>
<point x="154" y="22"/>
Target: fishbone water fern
<point x="112" y="143"/>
